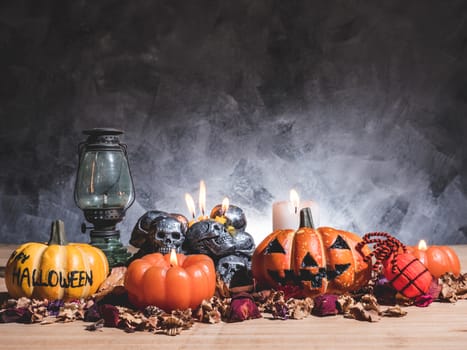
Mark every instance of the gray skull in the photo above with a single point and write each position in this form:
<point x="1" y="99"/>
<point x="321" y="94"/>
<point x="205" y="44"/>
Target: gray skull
<point x="140" y="232"/>
<point x="140" y="236"/>
<point x="231" y="265"/>
<point x="209" y="237"/>
<point x="167" y="233"/>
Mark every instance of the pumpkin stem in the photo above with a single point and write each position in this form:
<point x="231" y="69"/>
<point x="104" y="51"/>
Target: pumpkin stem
<point x="57" y="233"/>
<point x="306" y="218"/>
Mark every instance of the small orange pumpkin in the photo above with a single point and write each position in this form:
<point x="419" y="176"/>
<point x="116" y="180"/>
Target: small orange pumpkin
<point x="322" y="260"/>
<point x="171" y="281"/>
<point x="438" y="259"/>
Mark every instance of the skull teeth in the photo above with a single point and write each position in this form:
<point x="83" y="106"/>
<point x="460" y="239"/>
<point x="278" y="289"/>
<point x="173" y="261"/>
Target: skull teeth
<point x="166" y="250"/>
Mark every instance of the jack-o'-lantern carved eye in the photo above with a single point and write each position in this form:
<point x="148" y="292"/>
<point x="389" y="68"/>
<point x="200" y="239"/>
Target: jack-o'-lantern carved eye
<point x="339" y="243"/>
<point x="274" y="247"/>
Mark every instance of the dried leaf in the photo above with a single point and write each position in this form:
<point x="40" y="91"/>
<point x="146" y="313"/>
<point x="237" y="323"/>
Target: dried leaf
<point x="394" y="311"/>
<point x="344" y="303"/>
<point x="95" y="326"/>
<point x="299" y="308"/>
<point x="114" y="283"/>
<point x="369" y="303"/>
<point x="452" y="287"/>
<point x="358" y="312"/>
<point x="222" y="289"/>
<point x="172" y="325"/>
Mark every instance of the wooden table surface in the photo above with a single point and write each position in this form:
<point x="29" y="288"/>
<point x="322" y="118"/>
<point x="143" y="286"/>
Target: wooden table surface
<point x="440" y="326"/>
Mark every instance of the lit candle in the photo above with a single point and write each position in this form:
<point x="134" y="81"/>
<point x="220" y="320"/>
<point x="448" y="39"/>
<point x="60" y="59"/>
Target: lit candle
<point x="219" y="212"/>
<point x="437" y="259"/>
<point x="202" y="197"/>
<point x="190" y="203"/>
<point x="202" y="203"/>
<point x="286" y="214"/>
<point x="225" y="205"/>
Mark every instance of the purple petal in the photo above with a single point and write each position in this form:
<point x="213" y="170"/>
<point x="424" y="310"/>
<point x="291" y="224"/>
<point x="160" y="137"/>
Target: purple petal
<point x="243" y="308"/>
<point x="325" y="305"/>
<point x="110" y="315"/>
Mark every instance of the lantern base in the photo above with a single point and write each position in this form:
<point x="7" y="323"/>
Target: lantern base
<point x="116" y="253"/>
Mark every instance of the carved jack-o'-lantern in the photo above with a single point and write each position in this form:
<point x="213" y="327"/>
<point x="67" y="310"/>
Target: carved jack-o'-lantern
<point x="322" y="260"/>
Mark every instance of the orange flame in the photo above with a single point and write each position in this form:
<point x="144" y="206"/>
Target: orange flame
<point x="422" y="245"/>
<point x="202" y="197"/>
<point x="295" y="199"/>
<point x="225" y="205"/>
<point x="173" y="258"/>
<point x="190" y="203"/>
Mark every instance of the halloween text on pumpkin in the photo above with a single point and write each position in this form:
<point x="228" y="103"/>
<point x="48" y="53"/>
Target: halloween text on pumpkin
<point x="52" y="278"/>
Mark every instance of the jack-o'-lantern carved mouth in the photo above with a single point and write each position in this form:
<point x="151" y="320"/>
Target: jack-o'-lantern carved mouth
<point x="308" y="265"/>
<point x="316" y="279"/>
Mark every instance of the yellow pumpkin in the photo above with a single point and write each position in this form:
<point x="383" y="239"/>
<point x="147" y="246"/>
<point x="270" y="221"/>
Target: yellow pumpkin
<point x="56" y="270"/>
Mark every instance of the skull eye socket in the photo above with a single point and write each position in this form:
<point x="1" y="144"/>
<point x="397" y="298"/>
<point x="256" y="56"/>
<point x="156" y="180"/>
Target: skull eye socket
<point x="176" y="235"/>
<point x="160" y="234"/>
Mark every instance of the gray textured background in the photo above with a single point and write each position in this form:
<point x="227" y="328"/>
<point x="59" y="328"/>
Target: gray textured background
<point x="359" y="105"/>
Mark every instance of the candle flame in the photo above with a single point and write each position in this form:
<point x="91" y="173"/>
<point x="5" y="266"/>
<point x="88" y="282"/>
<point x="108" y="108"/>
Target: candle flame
<point x="225" y="205"/>
<point x="190" y="203"/>
<point x="202" y="197"/>
<point x="422" y="245"/>
<point x="295" y="199"/>
<point x="173" y="258"/>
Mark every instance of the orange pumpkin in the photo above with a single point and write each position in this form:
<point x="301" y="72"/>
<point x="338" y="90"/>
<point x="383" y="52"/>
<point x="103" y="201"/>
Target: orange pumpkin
<point x="438" y="259"/>
<point x="178" y="283"/>
<point x="322" y="260"/>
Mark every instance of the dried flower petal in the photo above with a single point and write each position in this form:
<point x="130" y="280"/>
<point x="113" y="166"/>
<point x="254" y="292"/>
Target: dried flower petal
<point x="110" y="314"/>
<point x="18" y="315"/>
<point x="435" y="289"/>
<point x="384" y="292"/>
<point x="325" y="305"/>
<point x="423" y="300"/>
<point x="280" y="311"/>
<point x="291" y="291"/>
<point x="54" y="307"/>
<point x="243" y="308"/>
<point x="92" y="314"/>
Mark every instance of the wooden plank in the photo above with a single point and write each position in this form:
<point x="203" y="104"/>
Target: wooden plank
<point x="439" y="326"/>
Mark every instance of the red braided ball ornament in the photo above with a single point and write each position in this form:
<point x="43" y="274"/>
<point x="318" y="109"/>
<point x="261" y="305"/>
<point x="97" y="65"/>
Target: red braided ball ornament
<point x="407" y="275"/>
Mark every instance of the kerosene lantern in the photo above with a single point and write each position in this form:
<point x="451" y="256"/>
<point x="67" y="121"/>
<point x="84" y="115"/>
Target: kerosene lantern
<point x="104" y="190"/>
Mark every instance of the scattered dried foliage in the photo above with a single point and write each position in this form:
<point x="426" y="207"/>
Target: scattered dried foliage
<point x="227" y="306"/>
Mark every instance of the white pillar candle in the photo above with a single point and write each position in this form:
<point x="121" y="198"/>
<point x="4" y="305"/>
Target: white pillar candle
<point x="286" y="214"/>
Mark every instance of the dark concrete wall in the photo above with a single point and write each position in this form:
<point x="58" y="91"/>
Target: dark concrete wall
<point x="359" y="105"/>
